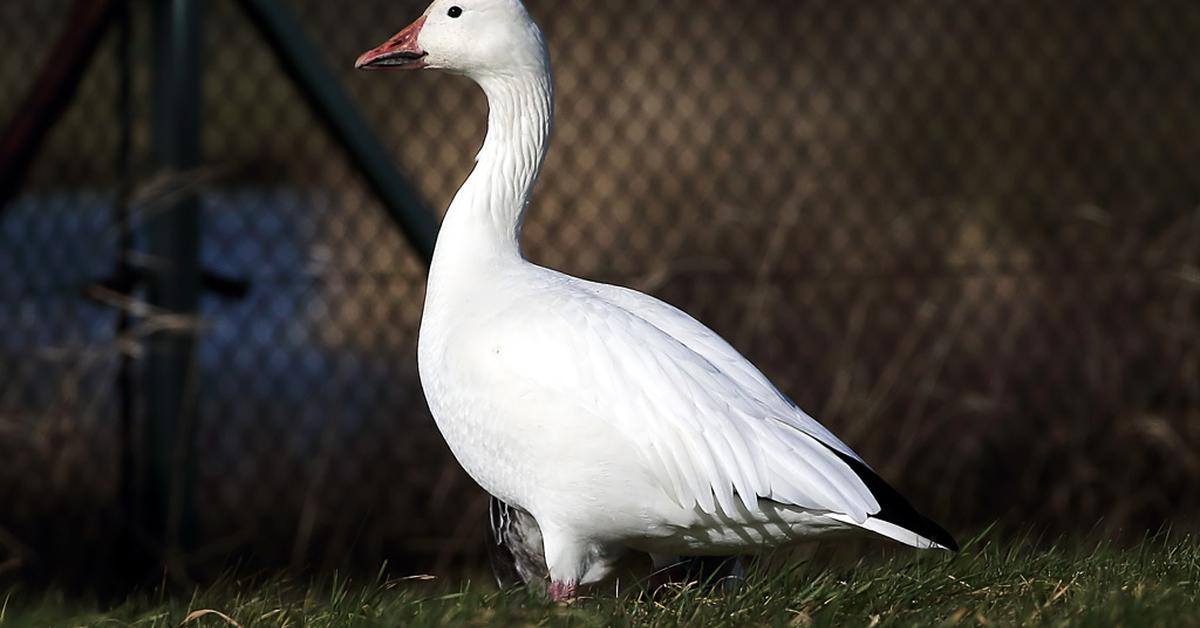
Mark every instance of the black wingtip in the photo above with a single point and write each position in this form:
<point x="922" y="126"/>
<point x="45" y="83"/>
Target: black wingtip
<point x="894" y="508"/>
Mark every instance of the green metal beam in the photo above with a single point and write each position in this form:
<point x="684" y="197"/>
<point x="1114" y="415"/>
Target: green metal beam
<point x="301" y="60"/>
<point x="52" y="92"/>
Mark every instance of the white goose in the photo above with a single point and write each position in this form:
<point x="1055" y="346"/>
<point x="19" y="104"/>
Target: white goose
<point x="618" y="421"/>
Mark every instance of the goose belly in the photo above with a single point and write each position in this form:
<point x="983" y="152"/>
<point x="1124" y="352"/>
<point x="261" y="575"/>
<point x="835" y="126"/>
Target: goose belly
<point x="486" y="448"/>
<point x="534" y="449"/>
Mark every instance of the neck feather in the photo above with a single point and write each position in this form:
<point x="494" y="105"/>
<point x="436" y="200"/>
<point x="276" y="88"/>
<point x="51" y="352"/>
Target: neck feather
<point x="486" y="214"/>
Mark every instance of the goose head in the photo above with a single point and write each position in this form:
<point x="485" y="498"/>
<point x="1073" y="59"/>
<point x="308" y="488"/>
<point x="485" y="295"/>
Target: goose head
<point x="477" y="38"/>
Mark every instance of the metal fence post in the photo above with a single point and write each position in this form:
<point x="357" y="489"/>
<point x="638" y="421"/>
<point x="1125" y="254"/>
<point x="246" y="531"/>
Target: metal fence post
<point x="172" y="240"/>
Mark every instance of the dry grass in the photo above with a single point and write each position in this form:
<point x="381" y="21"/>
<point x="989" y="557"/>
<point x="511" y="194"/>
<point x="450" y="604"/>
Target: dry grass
<point x="1154" y="584"/>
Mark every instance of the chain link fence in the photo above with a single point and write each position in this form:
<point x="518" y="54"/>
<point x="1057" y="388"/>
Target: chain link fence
<point x="965" y="235"/>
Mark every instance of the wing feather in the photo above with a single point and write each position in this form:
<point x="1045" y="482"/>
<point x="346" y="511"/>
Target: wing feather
<point x="707" y="343"/>
<point x="702" y="419"/>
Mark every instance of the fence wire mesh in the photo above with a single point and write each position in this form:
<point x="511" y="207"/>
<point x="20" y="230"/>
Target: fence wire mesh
<point x="965" y="235"/>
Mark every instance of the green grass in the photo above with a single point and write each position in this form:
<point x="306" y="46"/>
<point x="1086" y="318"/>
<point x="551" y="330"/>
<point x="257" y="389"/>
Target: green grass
<point x="1155" y="583"/>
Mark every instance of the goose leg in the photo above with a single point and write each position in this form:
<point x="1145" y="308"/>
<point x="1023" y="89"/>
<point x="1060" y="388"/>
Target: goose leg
<point x="704" y="570"/>
<point x="665" y="569"/>
<point x="563" y="592"/>
<point x="566" y="557"/>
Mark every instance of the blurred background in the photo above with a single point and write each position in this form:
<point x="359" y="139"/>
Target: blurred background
<point x="964" y="235"/>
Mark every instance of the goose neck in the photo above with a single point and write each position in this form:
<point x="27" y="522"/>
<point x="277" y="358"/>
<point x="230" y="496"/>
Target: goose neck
<point x="484" y="220"/>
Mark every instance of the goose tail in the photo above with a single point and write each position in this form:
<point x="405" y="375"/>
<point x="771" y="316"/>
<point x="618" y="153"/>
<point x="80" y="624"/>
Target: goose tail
<point x="896" y="519"/>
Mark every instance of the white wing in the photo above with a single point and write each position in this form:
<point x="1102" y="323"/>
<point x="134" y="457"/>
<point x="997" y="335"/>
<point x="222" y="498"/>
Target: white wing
<point x="712" y="347"/>
<point x="702" y="418"/>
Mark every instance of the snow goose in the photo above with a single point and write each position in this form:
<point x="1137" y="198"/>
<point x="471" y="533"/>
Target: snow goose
<point x="617" y="421"/>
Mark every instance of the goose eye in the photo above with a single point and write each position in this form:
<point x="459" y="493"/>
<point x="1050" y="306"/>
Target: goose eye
<point x="455" y="12"/>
